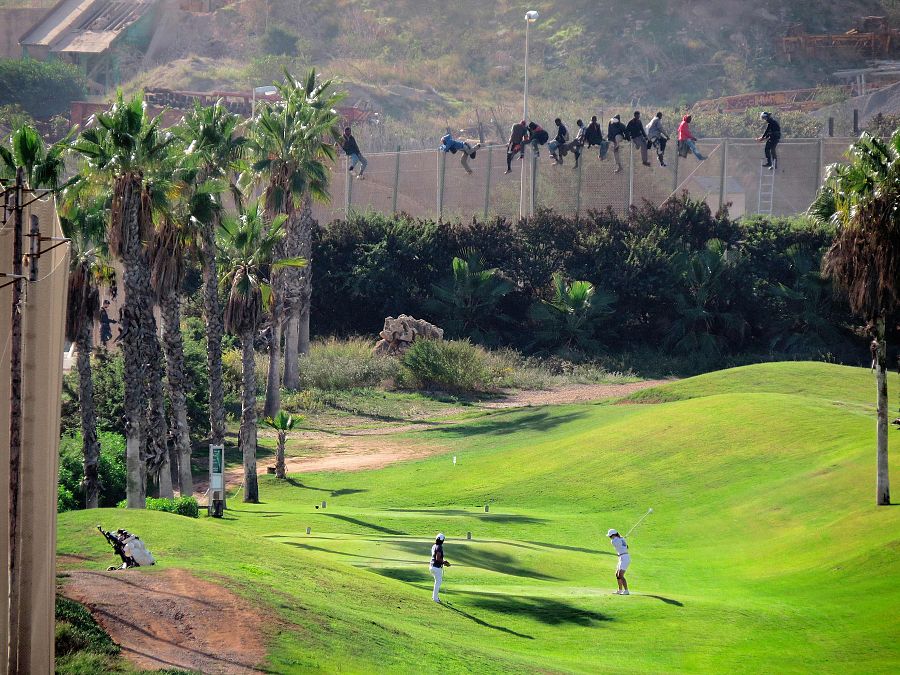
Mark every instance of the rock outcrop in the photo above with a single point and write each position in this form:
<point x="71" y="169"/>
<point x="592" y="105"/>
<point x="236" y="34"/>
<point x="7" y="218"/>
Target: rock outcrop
<point x="398" y="334"/>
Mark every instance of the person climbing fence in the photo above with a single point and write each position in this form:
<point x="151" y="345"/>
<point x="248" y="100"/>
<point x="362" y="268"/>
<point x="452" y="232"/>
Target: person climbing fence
<point x="467" y="148"/>
<point x="657" y="137"/>
<point x="615" y="134"/>
<point x="636" y="134"/>
<point x="772" y="136"/>
<point x="518" y="137"/>
<point x="687" y="142"/>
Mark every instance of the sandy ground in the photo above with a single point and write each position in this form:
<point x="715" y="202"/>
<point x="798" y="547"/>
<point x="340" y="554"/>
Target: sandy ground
<point x="172" y="619"/>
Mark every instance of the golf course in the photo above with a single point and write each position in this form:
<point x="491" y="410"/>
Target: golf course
<point x="765" y="552"/>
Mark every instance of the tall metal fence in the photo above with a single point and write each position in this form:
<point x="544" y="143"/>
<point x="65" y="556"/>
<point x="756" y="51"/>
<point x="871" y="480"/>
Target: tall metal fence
<point x="432" y="184"/>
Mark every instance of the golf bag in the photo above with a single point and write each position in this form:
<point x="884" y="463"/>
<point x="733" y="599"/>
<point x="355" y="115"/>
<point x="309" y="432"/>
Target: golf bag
<point x="129" y="548"/>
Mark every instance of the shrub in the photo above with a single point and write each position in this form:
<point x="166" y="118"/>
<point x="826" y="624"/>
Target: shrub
<point x="77" y="631"/>
<point x="70" y="495"/>
<point x="42" y="88"/>
<point x="456" y="366"/>
<point x="345" y="364"/>
<point x="182" y="506"/>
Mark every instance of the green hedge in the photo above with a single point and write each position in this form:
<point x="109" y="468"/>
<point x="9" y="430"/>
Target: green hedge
<point x="182" y="506"/>
<point x="43" y="88"/>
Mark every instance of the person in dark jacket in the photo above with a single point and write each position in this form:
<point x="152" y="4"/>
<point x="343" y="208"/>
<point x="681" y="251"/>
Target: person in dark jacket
<point x="557" y="146"/>
<point x="105" y="323"/>
<point x="593" y="136"/>
<point x="615" y="134"/>
<point x="354" y="156"/>
<point x="772" y="135"/>
<point x="636" y="134"/>
<point x="577" y="143"/>
<point x="538" y="136"/>
<point x="518" y="137"/>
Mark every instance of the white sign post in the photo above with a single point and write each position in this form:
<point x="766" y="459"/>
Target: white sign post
<point x="216" y="501"/>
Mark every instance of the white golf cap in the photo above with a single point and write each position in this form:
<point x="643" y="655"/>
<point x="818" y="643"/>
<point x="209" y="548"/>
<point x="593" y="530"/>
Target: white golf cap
<point x="440" y="536"/>
<point x="612" y="532"/>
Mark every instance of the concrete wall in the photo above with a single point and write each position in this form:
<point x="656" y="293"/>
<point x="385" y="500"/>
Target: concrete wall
<point x="14" y="23"/>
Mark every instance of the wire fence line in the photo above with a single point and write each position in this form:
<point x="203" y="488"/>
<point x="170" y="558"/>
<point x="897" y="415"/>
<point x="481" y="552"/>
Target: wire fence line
<point x="432" y="184"/>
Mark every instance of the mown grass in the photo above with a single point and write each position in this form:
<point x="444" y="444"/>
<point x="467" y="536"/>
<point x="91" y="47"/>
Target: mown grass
<point x="765" y="552"/>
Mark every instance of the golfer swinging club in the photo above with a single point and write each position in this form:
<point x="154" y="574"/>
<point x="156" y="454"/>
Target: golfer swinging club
<point x="437" y="565"/>
<point x="618" y="542"/>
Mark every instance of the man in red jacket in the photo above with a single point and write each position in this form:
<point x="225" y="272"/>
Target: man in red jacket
<point x="686" y="140"/>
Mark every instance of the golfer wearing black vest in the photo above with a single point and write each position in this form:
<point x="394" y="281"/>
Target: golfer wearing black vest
<point x="437" y="565"/>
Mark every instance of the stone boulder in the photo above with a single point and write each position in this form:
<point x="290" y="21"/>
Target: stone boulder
<point x="398" y="334"/>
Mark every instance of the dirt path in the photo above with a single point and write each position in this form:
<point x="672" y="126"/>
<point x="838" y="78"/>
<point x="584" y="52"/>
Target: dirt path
<point x="172" y="619"/>
<point x="366" y="449"/>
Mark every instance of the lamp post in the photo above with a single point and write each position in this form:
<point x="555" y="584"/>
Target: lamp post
<point x="530" y="17"/>
<point x="262" y="91"/>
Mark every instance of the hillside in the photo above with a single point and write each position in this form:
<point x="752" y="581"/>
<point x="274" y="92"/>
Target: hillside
<point x="435" y="56"/>
<point x="764" y="552"/>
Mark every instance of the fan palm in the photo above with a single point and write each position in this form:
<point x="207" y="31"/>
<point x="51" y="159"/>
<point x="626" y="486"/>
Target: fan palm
<point x="861" y="199"/>
<point x="89" y="269"/>
<point x="44" y="166"/>
<point x="211" y="134"/>
<point x="292" y="140"/>
<point x="189" y="207"/>
<point x="124" y="145"/>
<point x="570" y="318"/>
<point x="282" y="423"/>
<point x="247" y="246"/>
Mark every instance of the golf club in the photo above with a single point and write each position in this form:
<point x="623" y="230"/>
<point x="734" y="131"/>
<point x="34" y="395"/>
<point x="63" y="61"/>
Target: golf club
<point x="649" y="511"/>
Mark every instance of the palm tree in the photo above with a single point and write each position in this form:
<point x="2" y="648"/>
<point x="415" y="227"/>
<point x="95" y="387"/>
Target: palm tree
<point x="89" y="269"/>
<point x="292" y="140"/>
<point x="569" y="320"/>
<point x="44" y="166"/>
<point x="247" y="245"/>
<point x="282" y="423"/>
<point x="467" y="303"/>
<point x="189" y="208"/>
<point x="212" y="138"/>
<point x="119" y="150"/>
<point x="861" y="200"/>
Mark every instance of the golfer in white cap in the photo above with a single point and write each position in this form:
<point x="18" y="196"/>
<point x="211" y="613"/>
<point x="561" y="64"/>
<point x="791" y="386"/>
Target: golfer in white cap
<point x="618" y="542"/>
<point x="437" y="565"/>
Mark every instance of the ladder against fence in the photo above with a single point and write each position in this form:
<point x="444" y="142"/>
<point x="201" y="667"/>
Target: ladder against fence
<point x="432" y="185"/>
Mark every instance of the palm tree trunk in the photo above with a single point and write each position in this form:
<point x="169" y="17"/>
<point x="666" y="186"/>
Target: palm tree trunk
<point x="214" y="333"/>
<point x="136" y="279"/>
<point x="307" y="224"/>
<point x="248" y="418"/>
<point x="157" y="436"/>
<point x="174" y="347"/>
<point x="273" y="380"/>
<point x="279" y="455"/>
<point x="297" y="292"/>
<point x="883" y="488"/>
<point x="291" y="343"/>
<point x="88" y="419"/>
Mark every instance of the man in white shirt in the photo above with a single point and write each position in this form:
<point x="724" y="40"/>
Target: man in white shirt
<point x="621" y="546"/>
<point x="437" y="565"/>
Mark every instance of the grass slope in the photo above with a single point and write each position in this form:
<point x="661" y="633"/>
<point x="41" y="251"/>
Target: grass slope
<point x="764" y="553"/>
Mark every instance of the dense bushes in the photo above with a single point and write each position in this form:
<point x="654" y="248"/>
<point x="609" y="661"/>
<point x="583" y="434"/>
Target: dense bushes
<point x="455" y="366"/>
<point x="42" y="88"/>
<point x="182" y="506"/>
<point x="677" y="280"/>
<point x="70" y="492"/>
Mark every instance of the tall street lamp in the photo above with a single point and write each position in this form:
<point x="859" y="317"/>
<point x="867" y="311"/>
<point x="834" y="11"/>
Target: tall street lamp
<point x="530" y="17"/>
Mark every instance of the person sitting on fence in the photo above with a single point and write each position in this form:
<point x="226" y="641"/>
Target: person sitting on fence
<point x="615" y="134"/>
<point x="557" y="146"/>
<point x="468" y="148"/>
<point x="593" y="135"/>
<point x="687" y="142"/>
<point x="538" y="137"/>
<point x="658" y="137"/>
<point x="772" y="135"/>
<point x="518" y="137"/>
<point x="354" y="156"/>
<point x="636" y="134"/>
<point x="578" y="142"/>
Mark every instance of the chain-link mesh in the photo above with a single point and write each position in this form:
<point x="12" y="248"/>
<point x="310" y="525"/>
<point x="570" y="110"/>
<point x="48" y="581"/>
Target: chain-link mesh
<point x="431" y="184"/>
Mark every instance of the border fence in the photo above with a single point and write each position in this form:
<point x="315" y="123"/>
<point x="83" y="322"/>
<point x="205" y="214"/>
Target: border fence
<point x="432" y="184"/>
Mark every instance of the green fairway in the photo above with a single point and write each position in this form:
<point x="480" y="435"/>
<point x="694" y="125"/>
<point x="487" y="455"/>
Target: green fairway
<point x="764" y="554"/>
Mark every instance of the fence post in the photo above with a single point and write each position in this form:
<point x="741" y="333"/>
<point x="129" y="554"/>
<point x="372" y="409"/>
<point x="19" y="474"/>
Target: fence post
<point x="442" y="167"/>
<point x="821" y="156"/>
<point x="723" y="174"/>
<point x="533" y="191"/>
<point x="487" y="181"/>
<point x="675" y="171"/>
<point x="348" y="189"/>
<point x="578" y="194"/>
<point x="396" y="181"/>
<point x="830" y="127"/>
<point x="630" y="175"/>
<point x="856" y="121"/>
